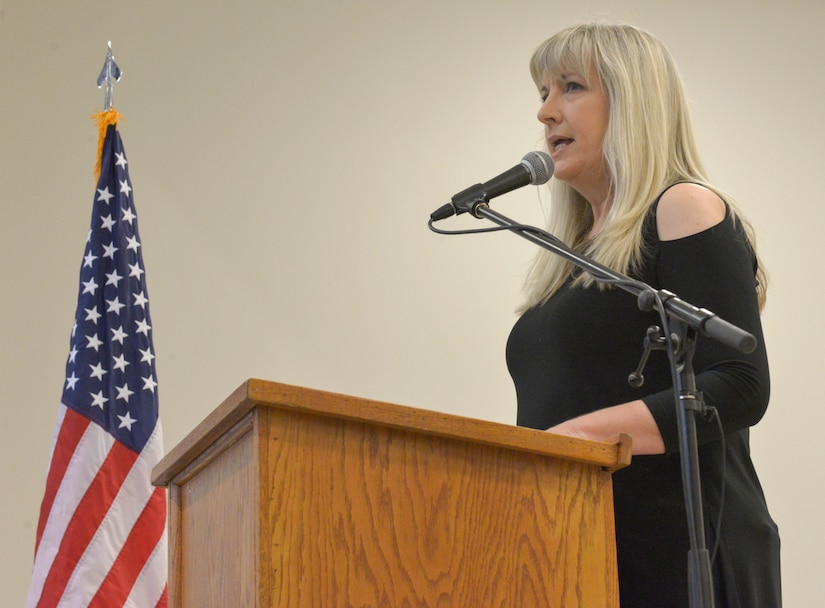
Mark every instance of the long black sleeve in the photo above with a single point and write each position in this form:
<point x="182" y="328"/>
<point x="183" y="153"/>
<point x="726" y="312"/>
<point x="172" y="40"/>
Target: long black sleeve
<point x="714" y="269"/>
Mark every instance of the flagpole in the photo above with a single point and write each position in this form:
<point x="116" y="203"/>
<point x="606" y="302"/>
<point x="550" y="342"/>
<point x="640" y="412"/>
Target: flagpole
<point x="109" y="75"/>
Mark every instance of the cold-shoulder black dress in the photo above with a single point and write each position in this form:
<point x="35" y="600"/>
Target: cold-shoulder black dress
<point x="573" y="355"/>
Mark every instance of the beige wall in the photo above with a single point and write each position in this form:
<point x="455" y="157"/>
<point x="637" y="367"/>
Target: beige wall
<point x="285" y="157"/>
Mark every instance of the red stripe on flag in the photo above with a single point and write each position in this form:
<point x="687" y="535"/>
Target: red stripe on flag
<point x="87" y="517"/>
<point x="141" y="542"/>
<point x="71" y="430"/>
<point x="164" y="598"/>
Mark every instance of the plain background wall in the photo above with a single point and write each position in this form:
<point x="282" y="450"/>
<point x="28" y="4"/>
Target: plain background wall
<point x="285" y="156"/>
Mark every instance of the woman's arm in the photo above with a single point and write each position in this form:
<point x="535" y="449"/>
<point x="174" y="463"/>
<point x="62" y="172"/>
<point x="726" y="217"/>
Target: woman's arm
<point x="684" y="210"/>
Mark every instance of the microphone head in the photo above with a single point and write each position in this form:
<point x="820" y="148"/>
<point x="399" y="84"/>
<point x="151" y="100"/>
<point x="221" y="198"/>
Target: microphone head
<point x="540" y="166"/>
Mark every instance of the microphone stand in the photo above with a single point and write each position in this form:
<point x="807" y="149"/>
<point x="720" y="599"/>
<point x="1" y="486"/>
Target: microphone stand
<point x="687" y="321"/>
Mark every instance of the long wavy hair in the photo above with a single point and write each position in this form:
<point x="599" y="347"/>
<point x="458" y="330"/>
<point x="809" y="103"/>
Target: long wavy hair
<point x="649" y="146"/>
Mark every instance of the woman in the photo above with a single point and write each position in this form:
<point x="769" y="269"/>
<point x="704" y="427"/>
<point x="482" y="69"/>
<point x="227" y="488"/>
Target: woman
<point x="630" y="192"/>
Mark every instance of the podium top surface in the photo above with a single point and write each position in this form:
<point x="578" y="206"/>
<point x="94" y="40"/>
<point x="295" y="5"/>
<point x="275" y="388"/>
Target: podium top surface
<point x="260" y="393"/>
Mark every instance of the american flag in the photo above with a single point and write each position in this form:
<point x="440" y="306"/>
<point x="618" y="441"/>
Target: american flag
<point x="101" y="537"/>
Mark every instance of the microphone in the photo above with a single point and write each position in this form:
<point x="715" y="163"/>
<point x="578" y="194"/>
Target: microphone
<point x="535" y="168"/>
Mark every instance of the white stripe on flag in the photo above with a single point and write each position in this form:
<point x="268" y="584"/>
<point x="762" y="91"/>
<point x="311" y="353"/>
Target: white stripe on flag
<point x="61" y="414"/>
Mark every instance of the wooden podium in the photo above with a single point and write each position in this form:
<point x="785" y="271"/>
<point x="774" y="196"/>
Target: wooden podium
<point x="291" y="497"/>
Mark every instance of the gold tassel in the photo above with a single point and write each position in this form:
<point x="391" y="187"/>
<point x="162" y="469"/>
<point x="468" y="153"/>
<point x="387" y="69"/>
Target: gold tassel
<point x="104" y="119"/>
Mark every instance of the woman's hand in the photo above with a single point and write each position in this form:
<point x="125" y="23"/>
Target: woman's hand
<point x="633" y="418"/>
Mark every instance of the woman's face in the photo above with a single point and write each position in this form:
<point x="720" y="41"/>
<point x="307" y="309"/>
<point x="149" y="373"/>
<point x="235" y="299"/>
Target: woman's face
<point x="575" y="118"/>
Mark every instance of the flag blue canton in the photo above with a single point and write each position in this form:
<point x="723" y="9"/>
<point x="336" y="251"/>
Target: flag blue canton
<point x="110" y="372"/>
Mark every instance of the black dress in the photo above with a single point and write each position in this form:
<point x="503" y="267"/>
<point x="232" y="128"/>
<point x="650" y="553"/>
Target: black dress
<point x="573" y="355"/>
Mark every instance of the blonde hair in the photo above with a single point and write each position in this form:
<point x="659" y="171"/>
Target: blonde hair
<point x="649" y="145"/>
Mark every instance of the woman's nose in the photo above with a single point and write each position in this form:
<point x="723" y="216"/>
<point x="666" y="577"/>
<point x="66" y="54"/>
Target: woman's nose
<point x="549" y="110"/>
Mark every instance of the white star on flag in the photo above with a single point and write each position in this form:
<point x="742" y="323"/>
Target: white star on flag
<point x="126" y="421"/>
<point x="105" y="196"/>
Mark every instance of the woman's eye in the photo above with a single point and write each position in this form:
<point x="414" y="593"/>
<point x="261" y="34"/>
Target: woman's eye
<point x="567" y="86"/>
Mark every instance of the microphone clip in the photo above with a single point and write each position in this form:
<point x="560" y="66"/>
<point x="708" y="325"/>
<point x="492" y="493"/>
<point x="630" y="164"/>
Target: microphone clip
<point x="469" y="199"/>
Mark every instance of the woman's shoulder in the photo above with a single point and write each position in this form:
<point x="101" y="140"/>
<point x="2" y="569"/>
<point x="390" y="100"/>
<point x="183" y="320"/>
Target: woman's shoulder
<point x="686" y="209"/>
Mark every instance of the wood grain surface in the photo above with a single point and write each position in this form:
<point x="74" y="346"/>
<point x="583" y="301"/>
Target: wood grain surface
<point x="293" y="498"/>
